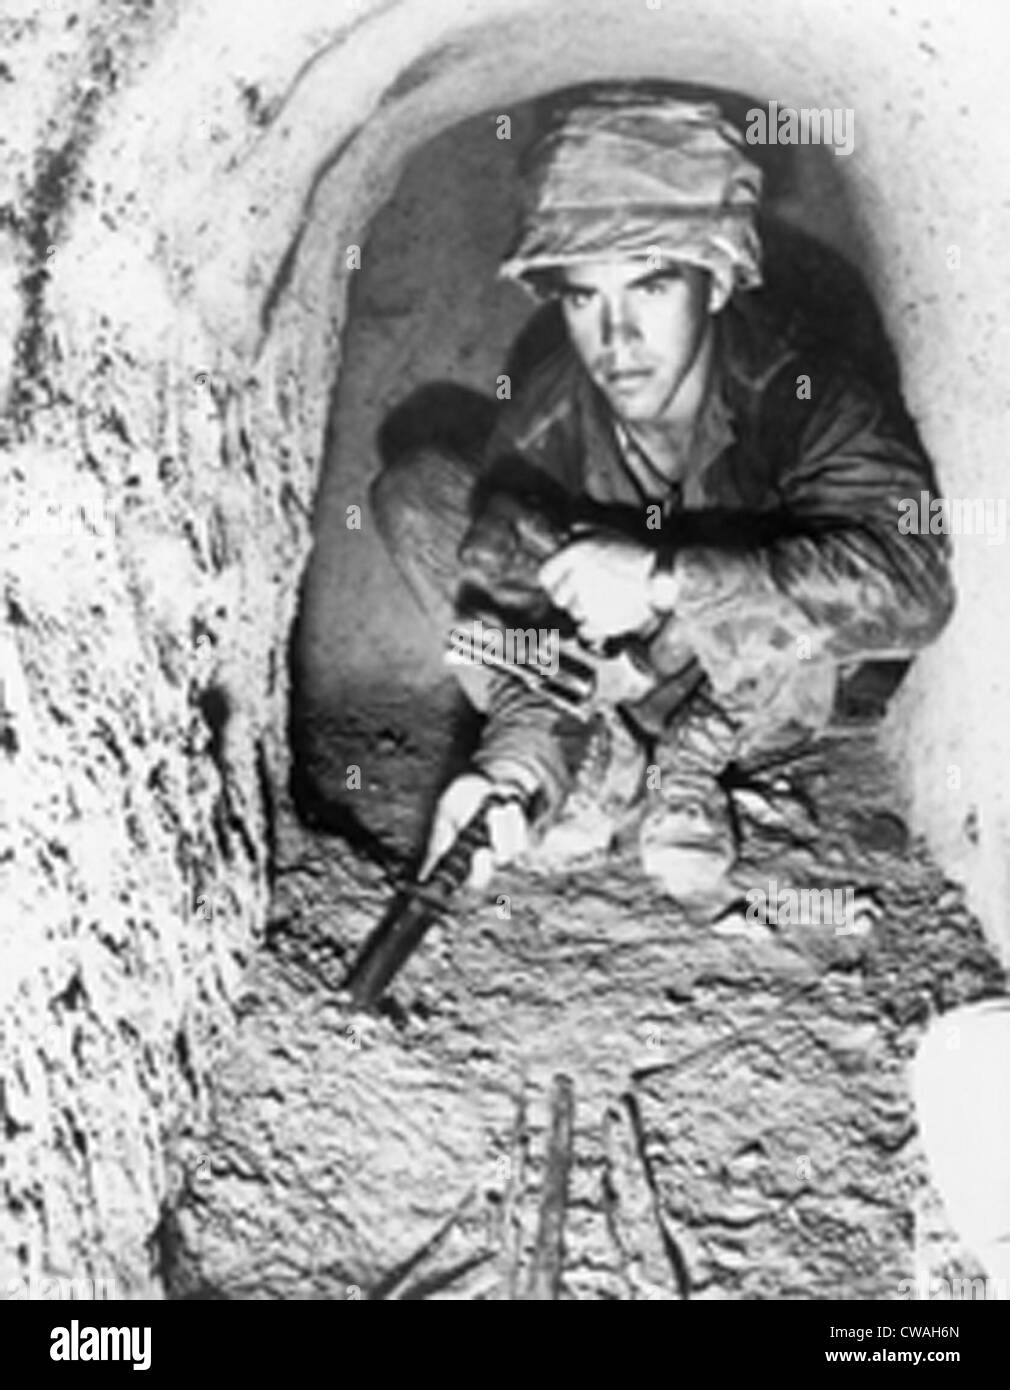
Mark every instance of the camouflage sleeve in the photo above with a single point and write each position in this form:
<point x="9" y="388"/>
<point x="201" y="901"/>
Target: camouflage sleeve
<point x="526" y="740"/>
<point x="841" y="578"/>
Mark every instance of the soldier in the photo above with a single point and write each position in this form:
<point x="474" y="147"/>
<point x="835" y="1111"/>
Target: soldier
<point x="767" y="473"/>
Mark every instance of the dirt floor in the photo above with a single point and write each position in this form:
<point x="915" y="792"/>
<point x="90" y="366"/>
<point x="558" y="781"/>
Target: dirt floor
<point x="742" y="1124"/>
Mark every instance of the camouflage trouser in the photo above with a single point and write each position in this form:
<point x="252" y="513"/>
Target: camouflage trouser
<point x="749" y="710"/>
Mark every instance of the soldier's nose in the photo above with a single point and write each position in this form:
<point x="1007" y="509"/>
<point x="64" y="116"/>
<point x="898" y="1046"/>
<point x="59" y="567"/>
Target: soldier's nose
<point x="606" y="327"/>
<point x="624" y="330"/>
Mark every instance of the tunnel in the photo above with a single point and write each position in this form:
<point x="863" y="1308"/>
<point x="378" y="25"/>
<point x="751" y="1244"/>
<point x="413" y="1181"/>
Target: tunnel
<point x="429" y="331"/>
<point x="211" y="306"/>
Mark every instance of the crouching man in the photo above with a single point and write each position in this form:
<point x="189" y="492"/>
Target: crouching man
<point x="768" y="567"/>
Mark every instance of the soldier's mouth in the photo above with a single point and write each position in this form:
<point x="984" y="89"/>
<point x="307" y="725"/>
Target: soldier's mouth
<point x="628" y="380"/>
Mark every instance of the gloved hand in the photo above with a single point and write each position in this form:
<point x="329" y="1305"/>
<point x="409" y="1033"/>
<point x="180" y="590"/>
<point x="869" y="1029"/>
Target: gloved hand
<point x="508" y="827"/>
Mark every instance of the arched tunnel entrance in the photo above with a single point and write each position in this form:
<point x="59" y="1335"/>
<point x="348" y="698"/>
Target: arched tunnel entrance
<point x="139" y="993"/>
<point x="504" y="1001"/>
<point x="377" y="721"/>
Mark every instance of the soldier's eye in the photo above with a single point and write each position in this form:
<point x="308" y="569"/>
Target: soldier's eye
<point x="576" y="299"/>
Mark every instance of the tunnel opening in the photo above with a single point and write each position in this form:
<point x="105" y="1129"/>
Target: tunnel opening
<point x="376" y="722"/>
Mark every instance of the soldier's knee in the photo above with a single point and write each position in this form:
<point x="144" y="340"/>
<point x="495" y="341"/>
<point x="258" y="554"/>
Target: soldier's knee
<point x="394" y="499"/>
<point x="686" y="872"/>
<point x="416" y="491"/>
<point x="659" y="868"/>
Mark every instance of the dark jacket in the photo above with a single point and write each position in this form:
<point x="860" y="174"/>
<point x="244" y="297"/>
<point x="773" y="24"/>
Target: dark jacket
<point x="784" y="532"/>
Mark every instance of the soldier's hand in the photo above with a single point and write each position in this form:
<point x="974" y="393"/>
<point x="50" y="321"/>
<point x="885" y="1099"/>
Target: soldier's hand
<point x="604" y="582"/>
<point x="508" y="828"/>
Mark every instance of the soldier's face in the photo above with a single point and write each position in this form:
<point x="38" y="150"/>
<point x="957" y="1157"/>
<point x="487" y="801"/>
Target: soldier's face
<point x="636" y="329"/>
